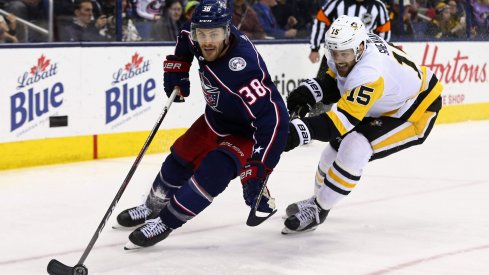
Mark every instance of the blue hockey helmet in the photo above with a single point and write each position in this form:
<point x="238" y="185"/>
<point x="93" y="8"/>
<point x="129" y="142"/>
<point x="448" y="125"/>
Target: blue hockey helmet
<point x="211" y="14"/>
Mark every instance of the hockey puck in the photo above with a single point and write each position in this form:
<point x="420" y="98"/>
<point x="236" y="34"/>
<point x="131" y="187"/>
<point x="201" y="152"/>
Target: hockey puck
<point x="80" y="270"/>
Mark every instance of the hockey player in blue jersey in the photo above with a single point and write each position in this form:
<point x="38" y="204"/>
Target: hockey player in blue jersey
<point x="243" y="131"/>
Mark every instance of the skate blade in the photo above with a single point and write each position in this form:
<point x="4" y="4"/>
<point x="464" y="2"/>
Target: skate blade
<point x="130" y="246"/>
<point x="287" y="231"/>
<point x="117" y="226"/>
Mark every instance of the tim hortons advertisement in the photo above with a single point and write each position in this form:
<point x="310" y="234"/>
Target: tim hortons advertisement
<point x="461" y="67"/>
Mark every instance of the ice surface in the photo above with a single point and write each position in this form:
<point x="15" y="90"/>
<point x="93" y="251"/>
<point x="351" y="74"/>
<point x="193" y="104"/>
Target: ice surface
<point x="422" y="211"/>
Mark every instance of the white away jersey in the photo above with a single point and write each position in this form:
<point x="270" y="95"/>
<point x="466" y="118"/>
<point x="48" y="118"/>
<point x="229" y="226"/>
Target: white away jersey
<point x="385" y="82"/>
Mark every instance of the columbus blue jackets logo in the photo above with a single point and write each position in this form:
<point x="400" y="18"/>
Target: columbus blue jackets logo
<point x="237" y="64"/>
<point x="211" y="93"/>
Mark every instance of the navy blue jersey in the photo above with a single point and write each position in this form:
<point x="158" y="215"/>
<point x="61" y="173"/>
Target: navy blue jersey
<point x="240" y="95"/>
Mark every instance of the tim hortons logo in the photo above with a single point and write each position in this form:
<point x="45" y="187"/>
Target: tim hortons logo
<point x="461" y="70"/>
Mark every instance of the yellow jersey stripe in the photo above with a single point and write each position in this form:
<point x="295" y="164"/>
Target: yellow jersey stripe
<point x="338" y="123"/>
<point x="331" y="73"/>
<point x="427" y="101"/>
<point x="406" y="133"/>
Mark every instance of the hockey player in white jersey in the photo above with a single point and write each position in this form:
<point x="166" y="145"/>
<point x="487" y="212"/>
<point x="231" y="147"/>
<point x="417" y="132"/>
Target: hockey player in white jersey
<point x="384" y="103"/>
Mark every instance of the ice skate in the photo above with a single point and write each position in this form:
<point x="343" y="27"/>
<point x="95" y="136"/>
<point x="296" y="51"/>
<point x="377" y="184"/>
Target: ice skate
<point x="308" y="215"/>
<point x="158" y="197"/>
<point x="296" y="207"/>
<point x="133" y="217"/>
<point x="152" y="232"/>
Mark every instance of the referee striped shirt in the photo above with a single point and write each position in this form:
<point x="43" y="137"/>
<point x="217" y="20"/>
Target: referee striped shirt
<point x="373" y="14"/>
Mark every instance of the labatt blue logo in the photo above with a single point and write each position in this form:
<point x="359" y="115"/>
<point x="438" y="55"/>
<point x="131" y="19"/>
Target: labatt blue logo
<point x="27" y="105"/>
<point x="121" y="99"/>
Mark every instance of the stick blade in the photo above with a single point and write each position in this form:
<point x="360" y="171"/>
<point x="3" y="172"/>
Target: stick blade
<point x="55" y="267"/>
<point x="254" y="220"/>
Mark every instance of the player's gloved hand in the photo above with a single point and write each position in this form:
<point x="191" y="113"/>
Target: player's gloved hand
<point x="298" y="134"/>
<point x="176" y="70"/>
<point x="253" y="175"/>
<point x="301" y="100"/>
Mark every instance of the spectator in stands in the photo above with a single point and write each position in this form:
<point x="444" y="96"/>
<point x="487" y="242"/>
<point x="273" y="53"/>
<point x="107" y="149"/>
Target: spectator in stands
<point x="268" y="21"/>
<point x="189" y="9"/>
<point x="284" y="15"/>
<point x="82" y="28"/>
<point x="480" y="12"/>
<point x="457" y="7"/>
<point x="129" y="31"/>
<point x="99" y="7"/>
<point x="168" y="27"/>
<point x="246" y="20"/>
<point x="7" y="29"/>
<point x="148" y="12"/>
<point x="302" y="10"/>
<point x="457" y="16"/>
<point x="31" y="11"/>
<point x="446" y="25"/>
<point x="406" y="24"/>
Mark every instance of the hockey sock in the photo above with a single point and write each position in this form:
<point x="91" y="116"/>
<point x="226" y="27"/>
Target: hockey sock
<point x="327" y="158"/>
<point x="171" y="176"/>
<point x="211" y="178"/>
<point x="345" y="172"/>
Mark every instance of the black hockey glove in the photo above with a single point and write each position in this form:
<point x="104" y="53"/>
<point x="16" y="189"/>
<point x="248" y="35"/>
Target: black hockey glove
<point x="252" y="176"/>
<point x="176" y="74"/>
<point x="298" y="134"/>
<point x="301" y="100"/>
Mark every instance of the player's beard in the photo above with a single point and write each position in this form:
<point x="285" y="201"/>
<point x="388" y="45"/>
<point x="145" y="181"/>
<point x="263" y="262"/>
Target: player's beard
<point x="344" y="68"/>
<point x="212" y="51"/>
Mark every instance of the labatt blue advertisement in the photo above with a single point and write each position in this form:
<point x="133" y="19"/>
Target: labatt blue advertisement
<point x="132" y="91"/>
<point x="38" y="94"/>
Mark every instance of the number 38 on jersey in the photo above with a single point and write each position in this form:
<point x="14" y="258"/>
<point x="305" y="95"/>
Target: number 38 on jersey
<point x="253" y="91"/>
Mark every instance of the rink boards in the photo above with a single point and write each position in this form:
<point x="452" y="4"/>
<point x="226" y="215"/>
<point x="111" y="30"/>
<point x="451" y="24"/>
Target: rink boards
<point x="64" y="103"/>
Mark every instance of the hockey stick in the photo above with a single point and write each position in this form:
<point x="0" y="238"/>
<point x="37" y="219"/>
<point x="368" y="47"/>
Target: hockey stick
<point x="253" y="219"/>
<point x="55" y="267"/>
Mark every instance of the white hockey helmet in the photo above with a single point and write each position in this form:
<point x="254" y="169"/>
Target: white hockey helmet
<point x="346" y="32"/>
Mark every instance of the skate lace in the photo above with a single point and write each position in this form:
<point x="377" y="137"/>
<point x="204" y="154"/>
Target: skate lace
<point x="308" y="213"/>
<point x="139" y="212"/>
<point x="153" y="227"/>
<point x="306" y="203"/>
